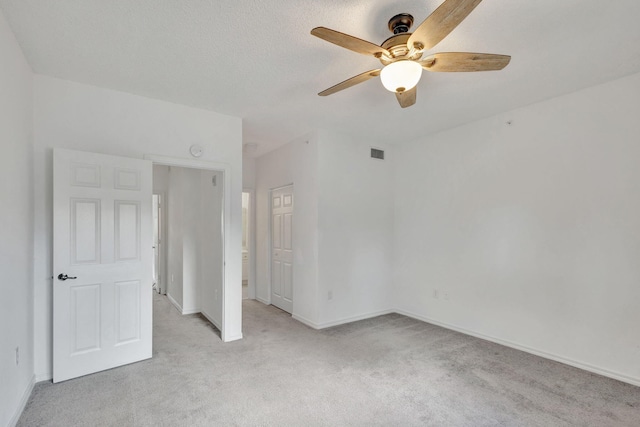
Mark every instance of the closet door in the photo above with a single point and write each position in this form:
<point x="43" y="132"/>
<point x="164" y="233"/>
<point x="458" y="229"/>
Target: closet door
<point x="282" y="248"/>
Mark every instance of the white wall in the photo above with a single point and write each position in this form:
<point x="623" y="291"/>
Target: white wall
<point x="211" y="249"/>
<point x="355" y="223"/>
<point x="191" y="240"/>
<point x="249" y="184"/>
<point x="76" y="116"/>
<point x="294" y="163"/>
<point x="248" y="172"/>
<point x="160" y="178"/>
<point x="175" y="222"/>
<point x="16" y="217"/>
<point x="531" y="229"/>
<point x="342" y="227"/>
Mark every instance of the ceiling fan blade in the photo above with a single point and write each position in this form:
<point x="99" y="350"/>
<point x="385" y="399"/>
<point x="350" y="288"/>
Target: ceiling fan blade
<point x="349" y="42"/>
<point x="465" y="61"/>
<point x="408" y="97"/>
<point x="350" y="82"/>
<point x="441" y="22"/>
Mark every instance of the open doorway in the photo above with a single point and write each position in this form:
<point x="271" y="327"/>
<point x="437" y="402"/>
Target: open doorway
<point x="188" y="206"/>
<point x="245" y="245"/>
<point x="248" y="285"/>
<point x="159" y="253"/>
<point x="229" y="295"/>
<point x="248" y="244"/>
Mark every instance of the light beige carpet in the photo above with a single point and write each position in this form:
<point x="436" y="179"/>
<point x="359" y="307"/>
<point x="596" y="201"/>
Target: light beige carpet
<point x="387" y="371"/>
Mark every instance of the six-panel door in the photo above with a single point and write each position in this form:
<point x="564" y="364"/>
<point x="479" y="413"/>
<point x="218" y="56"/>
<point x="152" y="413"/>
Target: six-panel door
<point x="282" y="248"/>
<point x="102" y="221"/>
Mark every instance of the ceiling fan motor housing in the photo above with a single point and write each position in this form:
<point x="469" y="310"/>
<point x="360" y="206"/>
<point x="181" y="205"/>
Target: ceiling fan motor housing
<point x="400" y="23"/>
<point x="397" y="46"/>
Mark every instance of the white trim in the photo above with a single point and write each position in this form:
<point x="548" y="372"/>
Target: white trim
<point x="23" y="402"/>
<point x="262" y="300"/>
<point x="47" y="376"/>
<point x="251" y="279"/>
<point x="162" y="256"/>
<point x="576" y="364"/>
<point x="174" y="302"/>
<point x="305" y="321"/>
<point x="217" y="325"/>
<point x="186" y="163"/>
<point x="225" y="168"/>
<point x="342" y="321"/>
<point x="234" y="338"/>
<point x="567" y="361"/>
<point x="211" y="319"/>
<point x="186" y="311"/>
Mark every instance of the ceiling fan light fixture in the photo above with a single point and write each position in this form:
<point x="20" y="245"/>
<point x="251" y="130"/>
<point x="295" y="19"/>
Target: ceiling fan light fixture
<point x="402" y="53"/>
<point x="401" y="76"/>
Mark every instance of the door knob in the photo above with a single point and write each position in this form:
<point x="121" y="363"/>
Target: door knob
<point x="64" y="277"/>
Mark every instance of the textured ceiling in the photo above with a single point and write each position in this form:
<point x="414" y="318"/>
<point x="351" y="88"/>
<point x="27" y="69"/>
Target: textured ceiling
<point x="257" y="60"/>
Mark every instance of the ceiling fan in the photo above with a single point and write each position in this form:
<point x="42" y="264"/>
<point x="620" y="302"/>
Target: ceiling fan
<point x="401" y="54"/>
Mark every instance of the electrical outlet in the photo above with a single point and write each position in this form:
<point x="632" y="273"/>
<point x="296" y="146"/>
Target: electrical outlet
<point x="446" y="296"/>
<point x="172" y="278"/>
<point x="17" y="355"/>
<point x="330" y="295"/>
<point x="215" y="295"/>
<point x="436" y="294"/>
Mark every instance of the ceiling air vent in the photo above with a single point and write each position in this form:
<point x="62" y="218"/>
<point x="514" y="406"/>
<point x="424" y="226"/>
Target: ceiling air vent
<point x="377" y="154"/>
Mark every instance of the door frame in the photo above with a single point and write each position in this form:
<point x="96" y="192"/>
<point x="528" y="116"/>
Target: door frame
<point x="251" y="280"/>
<point x="162" y="256"/>
<point x="225" y="168"/>
<point x="270" y="236"/>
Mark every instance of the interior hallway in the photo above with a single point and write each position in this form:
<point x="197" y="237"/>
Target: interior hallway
<point x="391" y="370"/>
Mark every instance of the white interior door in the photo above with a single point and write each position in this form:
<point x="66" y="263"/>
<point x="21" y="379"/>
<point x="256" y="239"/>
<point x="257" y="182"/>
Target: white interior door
<point x="282" y="248"/>
<point x="102" y="240"/>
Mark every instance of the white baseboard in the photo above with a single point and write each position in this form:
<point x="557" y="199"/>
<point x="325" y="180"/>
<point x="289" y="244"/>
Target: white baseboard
<point x="232" y="338"/>
<point x="264" y="301"/>
<point x="576" y="364"/>
<point x="305" y="321"/>
<point x="342" y="321"/>
<point x="174" y="302"/>
<point x="217" y="325"/>
<point x="23" y="401"/>
<point x="212" y="320"/>
<point x="179" y="307"/>
<point x="47" y="376"/>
